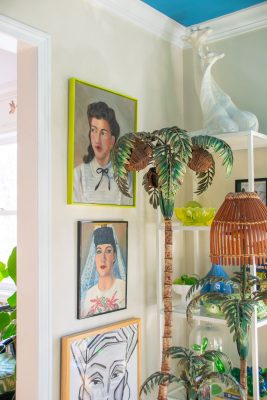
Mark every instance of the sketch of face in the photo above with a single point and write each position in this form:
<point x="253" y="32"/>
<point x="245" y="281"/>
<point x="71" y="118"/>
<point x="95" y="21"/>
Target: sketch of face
<point x="104" y="259"/>
<point x="101" y="139"/>
<point x="106" y="374"/>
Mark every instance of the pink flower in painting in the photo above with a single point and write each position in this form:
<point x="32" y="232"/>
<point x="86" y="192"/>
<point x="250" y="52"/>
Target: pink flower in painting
<point x="103" y="304"/>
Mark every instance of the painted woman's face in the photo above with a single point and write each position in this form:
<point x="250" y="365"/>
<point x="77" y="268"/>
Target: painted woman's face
<point x="101" y="139"/>
<point x="106" y="373"/>
<point x="104" y="260"/>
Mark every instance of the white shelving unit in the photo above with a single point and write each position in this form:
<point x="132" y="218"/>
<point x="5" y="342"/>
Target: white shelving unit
<point x="248" y="140"/>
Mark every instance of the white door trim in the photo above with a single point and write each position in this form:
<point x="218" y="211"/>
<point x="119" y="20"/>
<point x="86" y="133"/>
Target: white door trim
<point x="42" y="42"/>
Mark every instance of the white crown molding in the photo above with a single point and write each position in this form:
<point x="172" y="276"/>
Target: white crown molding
<point x="145" y="17"/>
<point x="162" y="26"/>
<point x="237" y="23"/>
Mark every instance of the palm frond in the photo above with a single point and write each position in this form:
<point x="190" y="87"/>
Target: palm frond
<point x="208" y="279"/>
<point x="170" y="156"/>
<point x="214" y="355"/>
<point x="205" y="179"/>
<point x="225" y="379"/>
<point x="178" y="139"/>
<point x="257" y="296"/>
<point x="179" y="352"/>
<point x="150" y="184"/>
<point x="120" y="156"/>
<point x="156" y="379"/>
<point x="238" y="314"/>
<point x="219" y="146"/>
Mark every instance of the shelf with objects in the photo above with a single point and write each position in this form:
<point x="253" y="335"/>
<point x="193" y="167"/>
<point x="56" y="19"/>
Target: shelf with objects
<point x="250" y="147"/>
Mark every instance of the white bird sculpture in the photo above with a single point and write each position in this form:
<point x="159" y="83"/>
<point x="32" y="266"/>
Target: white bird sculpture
<point x="219" y="112"/>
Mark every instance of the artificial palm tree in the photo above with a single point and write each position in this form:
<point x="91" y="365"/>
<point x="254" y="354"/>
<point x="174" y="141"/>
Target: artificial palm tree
<point x="195" y="373"/>
<point x="237" y="309"/>
<point x="166" y="153"/>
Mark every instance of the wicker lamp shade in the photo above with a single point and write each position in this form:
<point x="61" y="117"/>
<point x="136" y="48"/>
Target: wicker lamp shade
<point x="239" y="231"/>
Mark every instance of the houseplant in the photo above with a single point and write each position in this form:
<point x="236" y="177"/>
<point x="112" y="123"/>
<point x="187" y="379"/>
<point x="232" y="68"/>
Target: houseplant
<point x="195" y="373"/>
<point x="8" y="315"/>
<point x="8" y="330"/>
<point x="166" y="152"/>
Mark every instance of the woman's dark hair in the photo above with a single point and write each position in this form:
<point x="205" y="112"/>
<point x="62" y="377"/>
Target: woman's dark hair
<point x="101" y="110"/>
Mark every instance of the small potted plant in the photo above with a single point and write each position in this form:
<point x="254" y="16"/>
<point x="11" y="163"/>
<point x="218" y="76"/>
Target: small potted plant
<point x="182" y="285"/>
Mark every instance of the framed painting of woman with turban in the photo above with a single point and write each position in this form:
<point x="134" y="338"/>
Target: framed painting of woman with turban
<point x="102" y="363"/>
<point x="102" y="267"/>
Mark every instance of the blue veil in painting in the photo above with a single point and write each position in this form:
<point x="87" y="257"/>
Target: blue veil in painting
<point x="89" y="276"/>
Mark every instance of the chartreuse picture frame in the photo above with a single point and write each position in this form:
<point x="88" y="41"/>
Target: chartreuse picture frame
<point x="97" y="117"/>
<point x="100" y="361"/>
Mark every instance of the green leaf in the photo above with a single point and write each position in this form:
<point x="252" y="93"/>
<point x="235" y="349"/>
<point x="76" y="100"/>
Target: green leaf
<point x="11" y="265"/>
<point x="3" y="271"/>
<point x="4" y="320"/>
<point x="10" y="331"/>
<point x="196" y="347"/>
<point x="13" y="315"/>
<point x="12" y="300"/>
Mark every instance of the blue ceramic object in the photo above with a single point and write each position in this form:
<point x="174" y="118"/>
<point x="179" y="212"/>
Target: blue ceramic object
<point x="218" y="271"/>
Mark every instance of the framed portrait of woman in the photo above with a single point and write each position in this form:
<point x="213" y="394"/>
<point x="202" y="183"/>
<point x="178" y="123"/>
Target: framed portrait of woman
<point x="97" y="118"/>
<point x="103" y="363"/>
<point x="102" y="267"/>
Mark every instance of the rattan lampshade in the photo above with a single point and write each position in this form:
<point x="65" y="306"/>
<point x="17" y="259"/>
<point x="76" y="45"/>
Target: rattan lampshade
<point x="239" y="231"/>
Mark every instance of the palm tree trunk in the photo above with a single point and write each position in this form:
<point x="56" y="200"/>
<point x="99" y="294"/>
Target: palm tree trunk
<point x="243" y="376"/>
<point x="167" y="300"/>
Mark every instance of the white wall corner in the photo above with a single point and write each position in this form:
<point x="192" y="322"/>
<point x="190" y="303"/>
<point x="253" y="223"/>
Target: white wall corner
<point x="146" y="17"/>
<point x="162" y="26"/>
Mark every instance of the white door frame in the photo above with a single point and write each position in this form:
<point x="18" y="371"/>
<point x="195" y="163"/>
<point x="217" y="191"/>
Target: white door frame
<point x="41" y="301"/>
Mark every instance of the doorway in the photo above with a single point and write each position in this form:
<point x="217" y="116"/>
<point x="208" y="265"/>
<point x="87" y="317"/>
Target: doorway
<point x="34" y="347"/>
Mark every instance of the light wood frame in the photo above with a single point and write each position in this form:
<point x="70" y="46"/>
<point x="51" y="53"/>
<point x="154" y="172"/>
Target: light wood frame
<point x="126" y="336"/>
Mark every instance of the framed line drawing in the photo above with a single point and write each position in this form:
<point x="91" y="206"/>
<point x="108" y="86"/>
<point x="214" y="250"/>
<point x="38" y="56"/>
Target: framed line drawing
<point x="102" y="363"/>
<point x="97" y="118"/>
<point x="102" y="267"/>
<point x="260" y="187"/>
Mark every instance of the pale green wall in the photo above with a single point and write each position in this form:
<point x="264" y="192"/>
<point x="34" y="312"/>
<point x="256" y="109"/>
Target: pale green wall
<point x="93" y="45"/>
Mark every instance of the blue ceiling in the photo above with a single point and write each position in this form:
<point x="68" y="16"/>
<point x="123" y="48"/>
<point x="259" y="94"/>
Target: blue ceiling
<point x="192" y="12"/>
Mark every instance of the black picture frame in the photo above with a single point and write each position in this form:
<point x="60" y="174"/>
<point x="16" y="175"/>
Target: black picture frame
<point x="102" y="267"/>
<point x="260" y="186"/>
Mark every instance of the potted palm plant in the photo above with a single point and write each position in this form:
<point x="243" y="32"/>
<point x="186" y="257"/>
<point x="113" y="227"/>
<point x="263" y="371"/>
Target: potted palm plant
<point x="237" y="308"/>
<point x="238" y="237"/>
<point x="195" y="373"/>
<point x="166" y="153"/>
